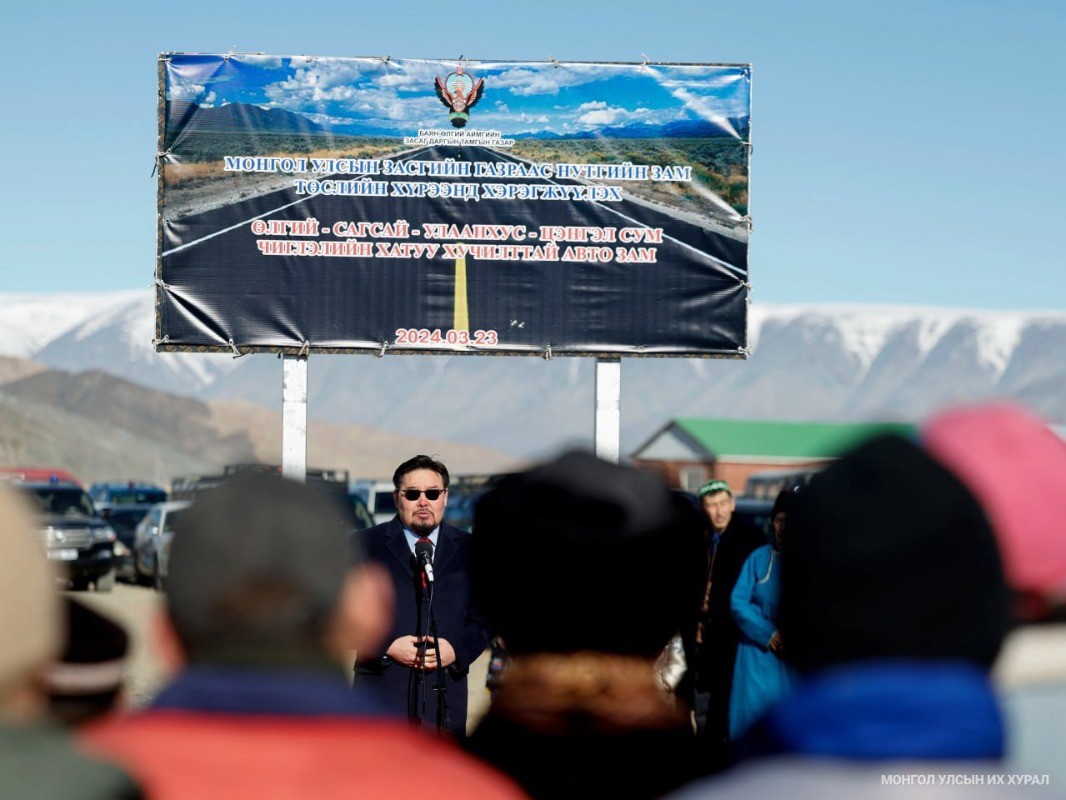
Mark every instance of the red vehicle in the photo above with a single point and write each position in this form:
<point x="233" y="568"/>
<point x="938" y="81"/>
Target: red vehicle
<point x="38" y="475"/>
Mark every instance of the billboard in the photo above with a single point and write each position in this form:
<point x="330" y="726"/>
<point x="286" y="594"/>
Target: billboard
<point x="424" y="206"/>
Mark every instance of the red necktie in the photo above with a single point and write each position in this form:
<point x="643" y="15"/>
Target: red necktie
<point x="428" y="541"/>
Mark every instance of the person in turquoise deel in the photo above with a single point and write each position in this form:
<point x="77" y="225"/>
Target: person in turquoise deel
<point x="760" y="677"/>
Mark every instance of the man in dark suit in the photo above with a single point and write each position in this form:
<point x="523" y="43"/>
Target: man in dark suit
<point x="422" y="674"/>
<point x="714" y="651"/>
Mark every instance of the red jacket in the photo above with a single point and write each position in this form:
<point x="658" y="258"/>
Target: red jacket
<point x="191" y="754"/>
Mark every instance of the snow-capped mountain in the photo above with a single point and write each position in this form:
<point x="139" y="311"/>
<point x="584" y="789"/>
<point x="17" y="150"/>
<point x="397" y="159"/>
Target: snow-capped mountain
<point x="808" y="363"/>
<point x="111" y="331"/>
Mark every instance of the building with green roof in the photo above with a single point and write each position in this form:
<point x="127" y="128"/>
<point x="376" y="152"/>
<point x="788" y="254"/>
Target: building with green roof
<point x="691" y="450"/>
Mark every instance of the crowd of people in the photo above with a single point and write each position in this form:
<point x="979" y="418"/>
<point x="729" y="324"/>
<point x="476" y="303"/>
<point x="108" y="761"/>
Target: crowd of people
<point x="847" y="651"/>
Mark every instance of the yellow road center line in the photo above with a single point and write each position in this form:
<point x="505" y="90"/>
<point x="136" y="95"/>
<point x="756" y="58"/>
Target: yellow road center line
<point x="462" y="313"/>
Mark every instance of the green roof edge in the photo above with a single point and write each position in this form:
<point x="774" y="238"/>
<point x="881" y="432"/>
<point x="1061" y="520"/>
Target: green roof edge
<point x="813" y="440"/>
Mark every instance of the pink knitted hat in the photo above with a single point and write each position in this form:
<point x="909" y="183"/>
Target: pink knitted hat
<point x="1016" y="467"/>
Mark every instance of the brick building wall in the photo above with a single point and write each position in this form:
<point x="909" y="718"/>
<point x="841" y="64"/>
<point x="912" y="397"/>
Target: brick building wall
<point x="689" y="475"/>
<point x="675" y="472"/>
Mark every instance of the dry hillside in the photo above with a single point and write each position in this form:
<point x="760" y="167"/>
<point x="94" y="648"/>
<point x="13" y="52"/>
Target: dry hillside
<point x="101" y="427"/>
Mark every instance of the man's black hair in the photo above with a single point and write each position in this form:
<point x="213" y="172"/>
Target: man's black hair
<point x="420" y="462"/>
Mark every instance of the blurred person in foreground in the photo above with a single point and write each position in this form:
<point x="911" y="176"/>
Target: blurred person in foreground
<point x="893" y="610"/>
<point x="587" y="569"/>
<point x="264" y="606"/>
<point x="712" y="652"/>
<point x="405" y="677"/>
<point x="760" y="677"/>
<point x="36" y="759"/>
<point x="1016" y="466"/>
<point x="85" y="682"/>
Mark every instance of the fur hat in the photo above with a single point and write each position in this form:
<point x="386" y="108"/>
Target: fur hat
<point x="29" y="599"/>
<point x="580" y="554"/>
<point x="890" y="556"/>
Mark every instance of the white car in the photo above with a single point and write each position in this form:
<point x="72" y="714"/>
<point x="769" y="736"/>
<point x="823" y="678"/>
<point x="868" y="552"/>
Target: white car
<point x="151" y="542"/>
<point x="379" y="499"/>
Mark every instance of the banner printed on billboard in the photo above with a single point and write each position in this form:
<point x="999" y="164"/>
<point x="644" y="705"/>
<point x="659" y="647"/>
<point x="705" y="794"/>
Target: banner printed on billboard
<point x="399" y="205"/>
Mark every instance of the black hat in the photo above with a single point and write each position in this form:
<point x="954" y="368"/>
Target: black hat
<point x="93" y="661"/>
<point x="783" y="503"/>
<point x="890" y="556"/>
<point x="580" y="554"/>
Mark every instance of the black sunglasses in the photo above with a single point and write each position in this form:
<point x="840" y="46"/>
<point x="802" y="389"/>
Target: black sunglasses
<point x="414" y="494"/>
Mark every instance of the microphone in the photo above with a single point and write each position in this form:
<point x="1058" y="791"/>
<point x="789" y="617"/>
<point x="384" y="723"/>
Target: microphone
<point x="424" y="554"/>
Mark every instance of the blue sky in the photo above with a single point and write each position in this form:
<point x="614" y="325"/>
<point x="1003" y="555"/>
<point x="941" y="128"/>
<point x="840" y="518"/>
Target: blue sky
<point x="904" y="153"/>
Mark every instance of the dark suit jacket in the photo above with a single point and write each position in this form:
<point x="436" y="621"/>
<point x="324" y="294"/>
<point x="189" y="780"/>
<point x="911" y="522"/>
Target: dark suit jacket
<point x="715" y="658"/>
<point x="458" y="620"/>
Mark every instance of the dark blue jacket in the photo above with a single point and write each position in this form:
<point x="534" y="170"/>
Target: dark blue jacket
<point x="457" y="619"/>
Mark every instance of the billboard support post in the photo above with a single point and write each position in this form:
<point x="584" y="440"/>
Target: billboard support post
<point x="294" y="417"/>
<point x="608" y="408"/>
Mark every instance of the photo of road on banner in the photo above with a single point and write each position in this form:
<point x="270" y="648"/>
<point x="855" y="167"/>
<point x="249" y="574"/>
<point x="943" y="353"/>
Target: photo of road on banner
<point x="426" y="206"/>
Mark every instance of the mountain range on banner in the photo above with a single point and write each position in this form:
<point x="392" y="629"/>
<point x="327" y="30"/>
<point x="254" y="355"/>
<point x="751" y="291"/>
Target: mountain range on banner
<point x="244" y="117"/>
<point x="827" y="363"/>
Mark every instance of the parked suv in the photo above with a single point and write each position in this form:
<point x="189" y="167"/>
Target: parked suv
<point x="360" y="515"/>
<point x="151" y="542"/>
<point x="332" y="482"/>
<point x="107" y="495"/>
<point x="378" y="497"/>
<point x="123" y="504"/>
<point x="74" y="534"/>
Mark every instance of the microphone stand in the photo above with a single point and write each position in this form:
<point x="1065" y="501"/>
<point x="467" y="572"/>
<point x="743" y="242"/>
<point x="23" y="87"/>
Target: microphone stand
<point x="443" y="718"/>
<point x="427" y="628"/>
<point x="416" y="707"/>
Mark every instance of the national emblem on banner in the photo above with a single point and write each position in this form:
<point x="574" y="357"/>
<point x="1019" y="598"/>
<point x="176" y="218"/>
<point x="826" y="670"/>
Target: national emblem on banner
<point x="459" y="92"/>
